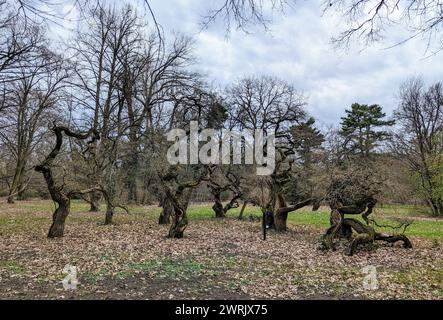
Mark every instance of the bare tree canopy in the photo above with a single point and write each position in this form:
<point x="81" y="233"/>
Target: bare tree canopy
<point x="241" y="14"/>
<point x="371" y="20"/>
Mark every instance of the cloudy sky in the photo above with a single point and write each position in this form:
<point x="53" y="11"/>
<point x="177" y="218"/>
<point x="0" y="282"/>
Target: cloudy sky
<point x="298" y="49"/>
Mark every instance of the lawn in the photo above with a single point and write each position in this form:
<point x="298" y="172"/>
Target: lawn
<point x="217" y="259"/>
<point x="424" y="227"/>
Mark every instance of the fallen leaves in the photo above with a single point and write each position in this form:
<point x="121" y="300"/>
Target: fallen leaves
<point x="134" y="259"/>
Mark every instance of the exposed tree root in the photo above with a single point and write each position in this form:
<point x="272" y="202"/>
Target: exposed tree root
<point x="365" y="234"/>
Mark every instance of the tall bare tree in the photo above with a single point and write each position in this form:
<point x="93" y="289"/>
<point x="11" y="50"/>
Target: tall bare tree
<point x="274" y="106"/>
<point x="58" y="190"/>
<point x="420" y="141"/>
<point x="33" y="97"/>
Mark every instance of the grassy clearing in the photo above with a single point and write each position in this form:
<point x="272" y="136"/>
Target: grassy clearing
<point x="25" y="215"/>
<point x="431" y="229"/>
<point x="223" y="258"/>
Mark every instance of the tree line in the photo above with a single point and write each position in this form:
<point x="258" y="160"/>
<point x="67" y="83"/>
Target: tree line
<point x="88" y="121"/>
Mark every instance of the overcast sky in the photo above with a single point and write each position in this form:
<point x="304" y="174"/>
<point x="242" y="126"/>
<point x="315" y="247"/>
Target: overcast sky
<point x="298" y="49"/>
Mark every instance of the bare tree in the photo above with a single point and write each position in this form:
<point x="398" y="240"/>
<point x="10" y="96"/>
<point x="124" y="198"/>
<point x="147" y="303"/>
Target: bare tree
<point x="241" y="14"/>
<point x="101" y="56"/>
<point x="157" y="71"/>
<point x="222" y="179"/>
<point x="31" y="100"/>
<point x="58" y="191"/>
<point x="178" y="182"/>
<point x="274" y="106"/>
<point x="124" y="79"/>
<point x="420" y="142"/>
<point x="369" y="20"/>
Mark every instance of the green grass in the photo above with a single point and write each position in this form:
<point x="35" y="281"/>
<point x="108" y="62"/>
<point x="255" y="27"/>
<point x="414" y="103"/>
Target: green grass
<point x="26" y="215"/>
<point x="162" y="268"/>
<point x="11" y="266"/>
<point x="94" y="277"/>
<point x="414" y="277"/>
<point x="428" y="229"/>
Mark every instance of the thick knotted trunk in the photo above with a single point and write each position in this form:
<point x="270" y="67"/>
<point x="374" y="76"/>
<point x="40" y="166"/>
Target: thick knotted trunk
<point x="280" y="220"/>
<point x="179" y="223"/>
<point x="57" y="194"/>
<point x="109" y="214"/>
<point x="218" y="206"/>
<point x="343" y="231"/>
<point x="365" y="234"/>
<point x="94" y="201"/>
<point x="58" y="219"/>
<point x="281" y="215"/>
<point x="336" y="223"/>
<point x="167" y="212"/>
<point x="219" y="209"/>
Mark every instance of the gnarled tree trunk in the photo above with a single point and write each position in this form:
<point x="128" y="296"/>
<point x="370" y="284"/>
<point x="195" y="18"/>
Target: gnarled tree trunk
<point x="280" y="220"/>
<point x="167" y="212"/>
<point x="94" y="201"/>
<point x="57" y="194"/>
<point x="179" y="223"/>
<point x="281" y="213"/>
<point x="218" y="206"/>
<point x="365" y="234"/>
<point x="57" y="228"/>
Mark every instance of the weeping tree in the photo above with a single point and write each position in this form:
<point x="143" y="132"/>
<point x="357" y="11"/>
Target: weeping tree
<point x="57" y="190"/>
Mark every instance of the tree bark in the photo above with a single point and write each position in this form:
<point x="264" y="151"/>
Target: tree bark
<point x="218" y="206"/>
<point x="167" y="212"/>
<point x="280" y="219"/>
<point x="281" y="216"/>
<point x="57" y="194"/>
<point x="94" y="200"/>
<point x="242" y="210"/>
<point x="179" y="223"/>
<point x="109" y="215"/>
<point x="57" y="228"/>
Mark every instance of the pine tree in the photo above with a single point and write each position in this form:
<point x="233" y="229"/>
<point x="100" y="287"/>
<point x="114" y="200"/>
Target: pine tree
<point x="362" y="128"/>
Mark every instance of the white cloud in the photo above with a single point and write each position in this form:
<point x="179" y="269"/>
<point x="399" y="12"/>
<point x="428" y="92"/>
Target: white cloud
<point x="298" y="50"/>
